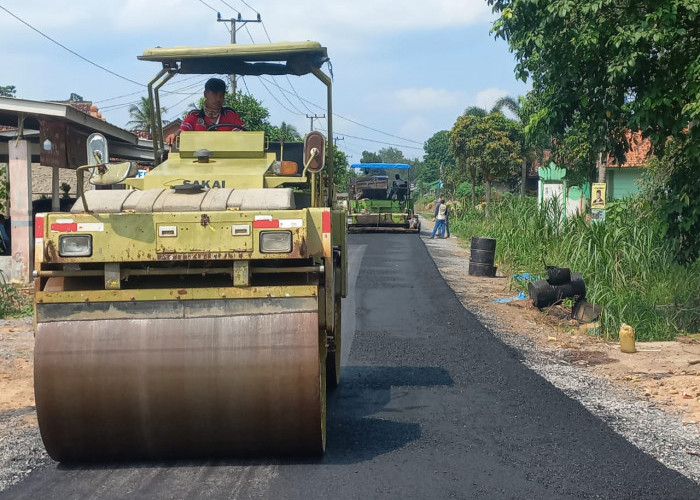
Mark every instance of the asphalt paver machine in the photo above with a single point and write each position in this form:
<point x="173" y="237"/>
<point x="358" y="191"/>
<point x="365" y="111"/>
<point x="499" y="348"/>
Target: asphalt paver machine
<point x="380" y="202"/>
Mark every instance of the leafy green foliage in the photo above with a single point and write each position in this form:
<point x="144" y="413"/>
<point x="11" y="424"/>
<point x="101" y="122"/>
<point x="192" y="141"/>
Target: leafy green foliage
<point x="254" y="115"/>
<point x="7" y="91"/>
<point x="437" y="152"/>
<point x="616" y="65"/>
<point x="341" y="170"/>
<point x="490" y="145"/>
<point x="13" y="303"/>
<point x="627" y="264"/>
<point x="370" y="157"/>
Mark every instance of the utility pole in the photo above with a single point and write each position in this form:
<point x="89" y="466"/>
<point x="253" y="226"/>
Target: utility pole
<point x="233" y="30"/>
<point x="336" y="139"/>
<point x="314" y="117"/>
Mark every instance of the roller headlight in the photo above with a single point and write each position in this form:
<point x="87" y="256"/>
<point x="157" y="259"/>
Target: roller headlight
<point x="276" y="242"/>
<point x="75" y="245"/>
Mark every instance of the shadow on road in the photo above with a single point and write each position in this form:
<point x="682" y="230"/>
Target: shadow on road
<point x="353" y="434"/>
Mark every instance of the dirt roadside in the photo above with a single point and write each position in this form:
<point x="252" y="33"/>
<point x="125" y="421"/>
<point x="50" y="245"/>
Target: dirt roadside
<point x="667" y="373"/>
<point x="651" y="397"/>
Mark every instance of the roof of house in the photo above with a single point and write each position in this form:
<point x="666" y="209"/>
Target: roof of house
<point x="638" y="152"/>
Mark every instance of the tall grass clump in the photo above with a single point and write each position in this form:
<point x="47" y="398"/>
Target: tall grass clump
<point x="628" y="267"/>
<point x="13" y="304"/>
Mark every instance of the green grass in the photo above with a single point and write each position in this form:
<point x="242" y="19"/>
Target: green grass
<point x="13" y="302"/>
<point x="627" y="266"/>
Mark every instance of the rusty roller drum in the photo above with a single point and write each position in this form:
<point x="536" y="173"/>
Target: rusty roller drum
<point x="198" y="385"/>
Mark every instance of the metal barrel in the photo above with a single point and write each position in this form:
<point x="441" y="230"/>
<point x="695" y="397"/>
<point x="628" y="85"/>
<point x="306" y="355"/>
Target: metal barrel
<point x="481" y="260"/>
<point x="205" y="384"/>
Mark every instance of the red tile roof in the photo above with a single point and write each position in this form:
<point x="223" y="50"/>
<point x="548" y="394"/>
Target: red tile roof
<point x="637" y="154"/>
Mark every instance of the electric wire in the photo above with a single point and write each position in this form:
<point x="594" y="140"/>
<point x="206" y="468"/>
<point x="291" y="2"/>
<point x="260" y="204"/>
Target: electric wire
<point x="70" y="50"/>
<point x="350" y="120"/>
<point x="230" y="6"/>
<point x="378" y="142"/>
<point x="205" y="3"/>
<point x="284" y="94"/>
<point x="286" y="76"/>
<point x="248" y="5"/>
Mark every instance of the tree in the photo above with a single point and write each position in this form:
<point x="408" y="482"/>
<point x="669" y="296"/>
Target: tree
<point x="141" y="116"/>
<point x="369" y="157"/>
<point x="490" y="144"/>
<point x="253" y="114"/>
<point x="616" y="66"/>
<point x="7" y="91"/>
<point x="520" y="108"/>
<point x="289" y="132"/>
<point x="437" y="154"/>
<point x="341" y="172"/>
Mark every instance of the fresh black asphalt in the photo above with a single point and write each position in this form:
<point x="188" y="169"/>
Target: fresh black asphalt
<point x="431" y="405"/>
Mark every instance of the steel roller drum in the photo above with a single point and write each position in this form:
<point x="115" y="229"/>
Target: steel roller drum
<point x="180" y="387"/>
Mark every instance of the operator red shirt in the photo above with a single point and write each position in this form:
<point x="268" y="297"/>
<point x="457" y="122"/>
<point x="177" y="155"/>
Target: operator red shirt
<point x="198" y="120"/>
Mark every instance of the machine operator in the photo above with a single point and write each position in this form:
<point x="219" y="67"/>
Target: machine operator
<point x="213" y="115"/>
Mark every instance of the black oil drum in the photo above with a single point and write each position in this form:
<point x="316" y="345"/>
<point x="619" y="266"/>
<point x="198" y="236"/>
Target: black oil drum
<point x="481" y="260"/>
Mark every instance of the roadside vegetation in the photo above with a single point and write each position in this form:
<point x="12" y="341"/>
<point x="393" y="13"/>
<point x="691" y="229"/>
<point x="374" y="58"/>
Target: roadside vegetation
<point x="602" y="73"/>
<point x="628" y="266"/>
<point x="14" y="301"/>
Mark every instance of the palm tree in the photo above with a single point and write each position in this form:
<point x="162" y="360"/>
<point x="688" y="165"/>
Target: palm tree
<point x="141" y="117"/>
<point x="517" y="107"/>
<point x="475" y="111"/>
<point x="289" y="132"/>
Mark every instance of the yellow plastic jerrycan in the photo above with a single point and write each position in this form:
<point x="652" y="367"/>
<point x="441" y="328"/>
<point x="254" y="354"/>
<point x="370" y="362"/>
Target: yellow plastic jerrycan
<point x="627" y="338"/>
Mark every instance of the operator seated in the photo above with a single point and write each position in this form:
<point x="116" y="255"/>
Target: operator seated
<point x="213" y="116"/>
<point x="399" y="189"/>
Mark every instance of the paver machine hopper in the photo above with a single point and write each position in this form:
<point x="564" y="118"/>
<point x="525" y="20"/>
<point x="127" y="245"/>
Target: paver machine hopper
<point x="195" y="313"/>
<point x="379" y="202"/>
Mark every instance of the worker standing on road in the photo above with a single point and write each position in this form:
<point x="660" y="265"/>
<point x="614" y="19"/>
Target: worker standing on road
<point x="439" y="219"/>
<point x="447" y="220"/>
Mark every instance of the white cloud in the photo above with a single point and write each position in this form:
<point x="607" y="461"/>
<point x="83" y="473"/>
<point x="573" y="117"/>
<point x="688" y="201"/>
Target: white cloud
<point x="427" y="98"/>
<point x="487" y="98"/>
<point x="337" y="23"/>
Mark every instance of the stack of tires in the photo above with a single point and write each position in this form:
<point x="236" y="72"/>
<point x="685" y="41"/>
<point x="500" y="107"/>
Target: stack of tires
<point x="481" y="260"/>
<point x="560" y="284"/>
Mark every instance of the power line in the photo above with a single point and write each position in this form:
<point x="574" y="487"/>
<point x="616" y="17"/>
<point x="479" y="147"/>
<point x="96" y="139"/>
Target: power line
<point x="379" y="142"/>
<point x="348" y="119"/>
<point x="205" y="3"/>
<point x="275" y="98"/>
<point x="230" y="6"/>
<point x="273" y="78"/>
<point x="248" y="5"/>
<point x="70" y="50"/>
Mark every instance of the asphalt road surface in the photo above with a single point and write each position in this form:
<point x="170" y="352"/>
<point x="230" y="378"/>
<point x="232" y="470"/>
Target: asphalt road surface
<point x="431" y="405"/>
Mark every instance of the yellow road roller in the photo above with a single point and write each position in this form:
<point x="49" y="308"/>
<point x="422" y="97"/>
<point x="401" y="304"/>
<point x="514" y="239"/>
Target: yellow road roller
<point x="194" y="311"/>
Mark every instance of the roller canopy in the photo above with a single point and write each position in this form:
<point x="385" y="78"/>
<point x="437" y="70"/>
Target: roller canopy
<point x="388" y="166"/>
<point x="285" y="58"/>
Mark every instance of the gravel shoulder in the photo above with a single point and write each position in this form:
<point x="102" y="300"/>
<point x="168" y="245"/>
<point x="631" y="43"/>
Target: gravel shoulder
<point x="652" y="397"/>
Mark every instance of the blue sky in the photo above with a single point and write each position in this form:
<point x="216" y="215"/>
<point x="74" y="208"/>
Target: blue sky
<point x="405" y="68"/>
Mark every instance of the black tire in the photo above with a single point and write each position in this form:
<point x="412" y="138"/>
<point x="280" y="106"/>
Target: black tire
<point x="481" y="269"/>
<point x="542" y="293"/>
<point x="488" y="244"/>
<point x="558" y="275"/>
<point x="482" y="256"/>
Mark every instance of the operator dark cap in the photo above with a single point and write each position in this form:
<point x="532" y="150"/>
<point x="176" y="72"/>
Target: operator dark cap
<point x="215" y="85"/>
